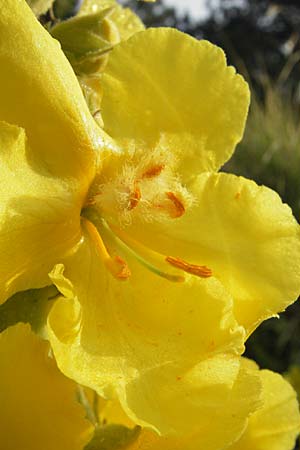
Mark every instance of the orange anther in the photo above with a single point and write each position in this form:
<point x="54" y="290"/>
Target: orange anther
<point x="199" y="271"/>
<point x="124" y="271"/>
<point x="153" y="171"/>
<point x="179" y="207"/>
<point x="134" y="198"/>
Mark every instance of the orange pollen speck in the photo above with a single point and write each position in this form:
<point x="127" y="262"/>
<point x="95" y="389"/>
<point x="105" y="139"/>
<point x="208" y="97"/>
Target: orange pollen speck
<point x="153" y="171"/>
<point x="199" y="271"/>
<point x="179" y="207"/>
<point x="134" y="198"/>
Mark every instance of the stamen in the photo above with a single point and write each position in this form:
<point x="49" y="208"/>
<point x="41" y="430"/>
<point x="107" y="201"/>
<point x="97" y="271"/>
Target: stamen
<point x="143" y="254"/>
<point x="134" y="198"/>
<point x="199" y="271"/>
<point x="179" y="207"/>
<point x="153" y="171"/>
<point x="117" y="266"/>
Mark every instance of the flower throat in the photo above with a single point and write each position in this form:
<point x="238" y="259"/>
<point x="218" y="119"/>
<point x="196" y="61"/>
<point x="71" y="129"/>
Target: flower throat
<point x="147" y="191"/>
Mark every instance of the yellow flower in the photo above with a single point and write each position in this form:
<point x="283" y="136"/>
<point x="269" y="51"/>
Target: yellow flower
<point x="155" y="254"/>
<point x="39" y="409"/>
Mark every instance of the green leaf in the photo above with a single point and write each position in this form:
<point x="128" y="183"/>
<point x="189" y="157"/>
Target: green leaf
<point x="40" y="7"/>
<point x="112" y="437"/>
<point x="30" y="306"/>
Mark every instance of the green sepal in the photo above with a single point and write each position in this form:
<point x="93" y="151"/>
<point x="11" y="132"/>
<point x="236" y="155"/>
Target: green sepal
<point x="40" y="7"/>
<point x="112" y="437"/>
<point x="86" y="39"/>
<point x="30" y="306"/>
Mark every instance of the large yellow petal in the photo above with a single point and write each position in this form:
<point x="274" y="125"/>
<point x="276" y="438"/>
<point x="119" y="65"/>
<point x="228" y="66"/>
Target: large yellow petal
<point x="129" y="339"/>
<point x="39" y="409"/>
<point x="164" y="88"/>
<point x="219" y="422"/>
<point x="40" y="93"/>
<point x="274" y="426"/>
<point x="277" y="424"/>
<point x="39" y="216"/>
<point x="209" y="406"/>
<point x="241" y="231"/>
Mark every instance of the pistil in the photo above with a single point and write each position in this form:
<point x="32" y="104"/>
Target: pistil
<point x="148" y="258"/>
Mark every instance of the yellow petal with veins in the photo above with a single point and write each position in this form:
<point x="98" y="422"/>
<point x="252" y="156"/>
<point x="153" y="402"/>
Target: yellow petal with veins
<point x="217" y="425"/>
<point x="40" y="93"/>
<point x="276" y="425"/>
<point x="129" y="340"/>
<point x="39" y="409"/>
<point x="244" y="234"/>
<point x="39" y="215"/>
<point x="165" y="89"/>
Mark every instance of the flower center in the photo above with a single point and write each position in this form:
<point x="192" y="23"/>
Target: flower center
<point x="144" y="190"/>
